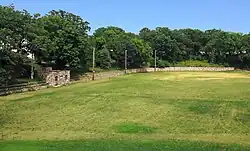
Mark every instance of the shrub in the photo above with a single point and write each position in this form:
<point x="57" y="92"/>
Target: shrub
<point x="3" y="77"/>
<point x="97" y="69"/>
<point x="196" y="63"/>
<point x="163" y="64"/>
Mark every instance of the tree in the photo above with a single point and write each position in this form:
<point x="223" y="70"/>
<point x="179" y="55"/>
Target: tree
<point x="103" y="58"/>
<point x="143" y="52"/>
<point x="113" y="38"/>
<point x="61" y="39"/>
<point x="193" y="39"/>
<point x="16" y="37"/>
<point x="67" y="39"/>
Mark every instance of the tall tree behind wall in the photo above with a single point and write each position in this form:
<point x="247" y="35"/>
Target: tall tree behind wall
<point x="67" y="39"/>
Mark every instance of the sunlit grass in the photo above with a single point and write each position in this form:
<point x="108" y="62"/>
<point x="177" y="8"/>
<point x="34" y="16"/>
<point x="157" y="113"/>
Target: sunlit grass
<point x="194" y="106"/>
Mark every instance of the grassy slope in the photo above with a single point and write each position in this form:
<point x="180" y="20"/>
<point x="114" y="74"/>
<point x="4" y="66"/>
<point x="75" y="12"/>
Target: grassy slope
<point x="191" y="106"/>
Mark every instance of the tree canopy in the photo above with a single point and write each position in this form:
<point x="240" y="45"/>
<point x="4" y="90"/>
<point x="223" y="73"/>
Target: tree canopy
<point x="61" y="39"/>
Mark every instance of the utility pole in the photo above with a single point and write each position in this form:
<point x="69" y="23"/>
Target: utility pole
<point x="110" y="57"/>
<point x="93" y="63"/>
<point x="32" y="66"/>
<point x="125" y="65"/>
<point x="155" y="60"/>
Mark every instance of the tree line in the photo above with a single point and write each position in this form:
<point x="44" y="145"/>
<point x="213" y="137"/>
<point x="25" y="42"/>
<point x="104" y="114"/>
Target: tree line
<point x="60" y="39"/>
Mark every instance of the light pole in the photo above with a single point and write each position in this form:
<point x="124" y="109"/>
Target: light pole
<point x="155" y="60"/>
<point x="93" y="65"/>
<point x="110" y="57"/>
<point x="125" y="65"/>
<point x="32" y="66"/>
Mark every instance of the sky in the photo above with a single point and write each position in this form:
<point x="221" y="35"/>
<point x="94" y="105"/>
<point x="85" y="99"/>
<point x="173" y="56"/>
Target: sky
<point x="133" y="15"/>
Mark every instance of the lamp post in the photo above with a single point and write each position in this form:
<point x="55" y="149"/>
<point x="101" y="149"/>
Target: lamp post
<point x="110" y="57"/>
<point x="125" y="65"/>
<point x="32" y="66"/>
<point x="155" y="60"/>
<point x="93" y="65"/>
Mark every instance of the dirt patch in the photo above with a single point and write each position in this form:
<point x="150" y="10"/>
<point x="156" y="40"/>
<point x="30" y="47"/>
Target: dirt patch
<point x="203" y="79"/>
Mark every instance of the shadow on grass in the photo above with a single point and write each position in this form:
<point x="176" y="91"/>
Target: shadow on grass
<point x="39" y="95"/>
<point x="204" y="107"/>
<point x="244" y="118"/>
<point x="115" y="145"/>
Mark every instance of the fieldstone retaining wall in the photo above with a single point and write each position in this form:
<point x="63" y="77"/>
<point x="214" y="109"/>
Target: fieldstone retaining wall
<point x="192" y="69"/>
<point x="103" y="75"/>
<point x="19" y="88"/>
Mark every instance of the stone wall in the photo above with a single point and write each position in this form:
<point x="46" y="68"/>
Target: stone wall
<point x="103" y="75"/>
<point x="18" y="88"/>
<point x="176" y="69"/>
<point x="191" y="69"/>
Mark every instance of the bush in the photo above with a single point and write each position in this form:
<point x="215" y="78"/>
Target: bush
<point x="163" y="64"/>
<point x="196" y="63"/>
<point x="3" y="77"/>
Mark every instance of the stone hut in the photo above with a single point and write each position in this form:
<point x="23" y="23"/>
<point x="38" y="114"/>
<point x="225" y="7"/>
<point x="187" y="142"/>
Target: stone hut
<point x="55" y="77"/>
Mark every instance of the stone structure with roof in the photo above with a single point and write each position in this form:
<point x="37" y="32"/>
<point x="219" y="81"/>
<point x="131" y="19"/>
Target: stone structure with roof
<point x="55" y="77"/>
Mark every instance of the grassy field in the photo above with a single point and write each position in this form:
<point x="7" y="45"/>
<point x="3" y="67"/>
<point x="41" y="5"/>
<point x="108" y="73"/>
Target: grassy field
<point x="154" y="111"/>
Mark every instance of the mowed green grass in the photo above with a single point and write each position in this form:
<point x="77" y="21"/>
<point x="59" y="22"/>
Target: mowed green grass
<point x="151" y="111"/>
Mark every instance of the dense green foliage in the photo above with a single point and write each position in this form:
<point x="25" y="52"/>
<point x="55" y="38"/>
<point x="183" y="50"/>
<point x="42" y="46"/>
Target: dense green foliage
<point x="67" y="39"/>
<point x="195" y="63"/>
<point x="163" y="64"/>
<point x="216" y="46"/>
<point x="60" y="39"/>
